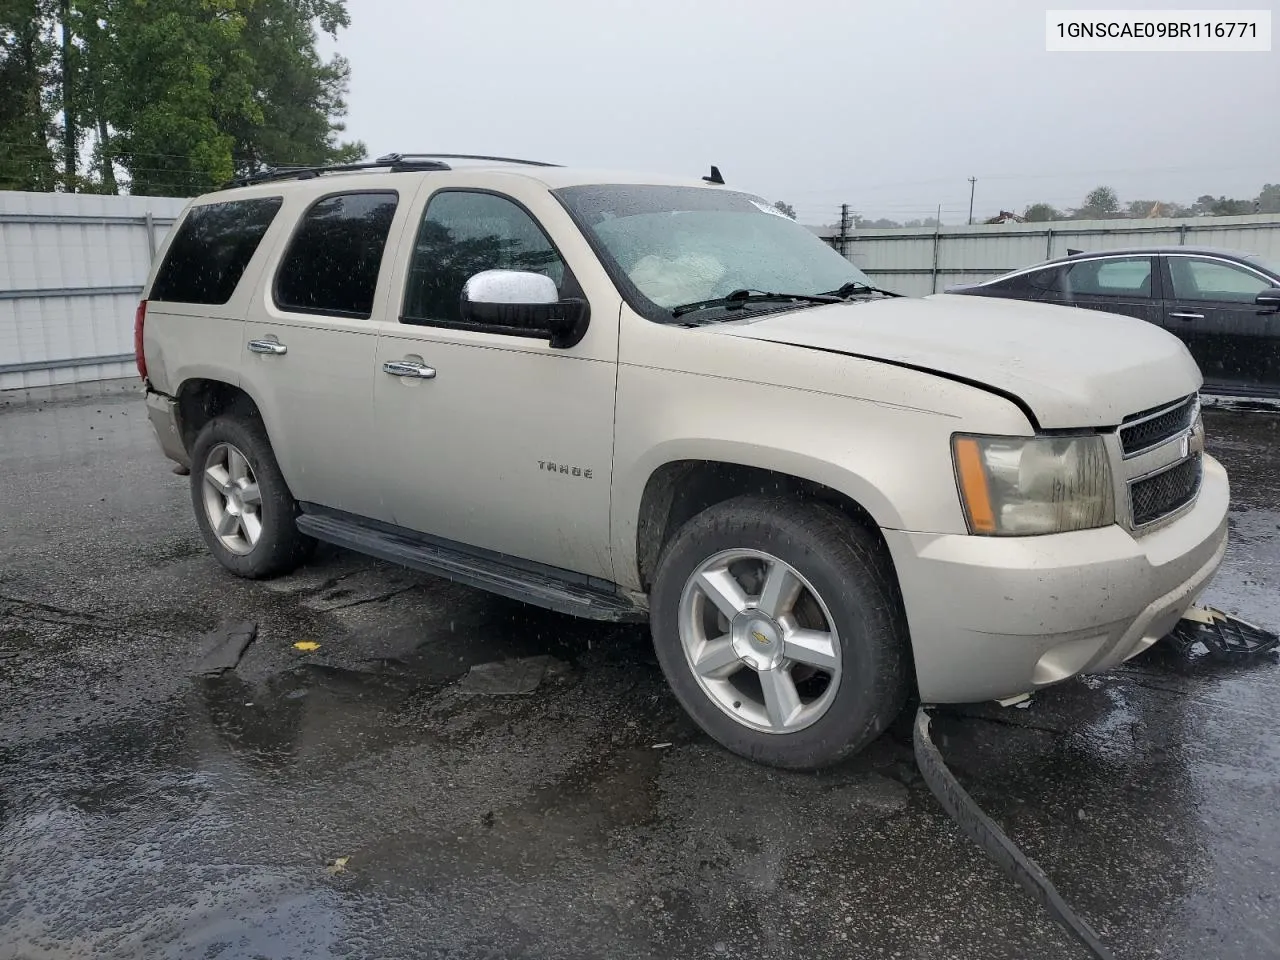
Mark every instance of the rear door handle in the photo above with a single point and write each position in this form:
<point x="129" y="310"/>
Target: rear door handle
<point x="407" y="368"/>
<point x="273" y="347"/>
<point x="1187" y="316"/>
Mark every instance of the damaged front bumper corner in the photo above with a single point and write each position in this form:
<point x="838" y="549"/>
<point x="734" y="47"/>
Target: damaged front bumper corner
<point x="992" y="617"/>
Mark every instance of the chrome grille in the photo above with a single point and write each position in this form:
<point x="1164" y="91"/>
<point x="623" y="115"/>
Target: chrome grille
<point x="1160" y="494"/>
<point x="1143" y="431"/>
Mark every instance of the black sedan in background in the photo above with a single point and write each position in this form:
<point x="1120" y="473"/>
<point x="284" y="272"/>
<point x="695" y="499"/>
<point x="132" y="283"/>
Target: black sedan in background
<point x="1223" y="304"/>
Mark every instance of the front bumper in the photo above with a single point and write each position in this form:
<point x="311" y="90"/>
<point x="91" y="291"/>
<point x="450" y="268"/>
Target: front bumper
<point x="162" y="411"/>
<point x="991" y="617"/>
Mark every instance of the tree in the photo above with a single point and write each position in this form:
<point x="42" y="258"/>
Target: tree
<point x="1099" y="204"/>
<point x="785" y="208"/>
<point x="301" y="96"/>
<point x="861" y="223"/>
<point x="1269" y="198"/>
<point x="1223" y="207"/>
<point x="179" y="94"/>
<point x="27" y="55"/>
<point x="1041" y="213"/>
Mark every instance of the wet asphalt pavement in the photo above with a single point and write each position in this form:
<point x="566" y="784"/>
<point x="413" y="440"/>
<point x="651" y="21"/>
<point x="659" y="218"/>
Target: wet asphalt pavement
<point x="147" y="811"/>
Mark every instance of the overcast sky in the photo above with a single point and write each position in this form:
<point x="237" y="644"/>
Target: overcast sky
<point x="889" y="106"/>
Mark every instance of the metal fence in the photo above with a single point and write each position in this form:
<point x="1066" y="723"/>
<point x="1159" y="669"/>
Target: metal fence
<point x="921" y="261"/>
<point x="72" y="265"/>
<point x="71" y="268"/>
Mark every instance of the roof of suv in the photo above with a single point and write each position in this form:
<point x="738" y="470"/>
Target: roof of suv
<point x="551" y="177"/>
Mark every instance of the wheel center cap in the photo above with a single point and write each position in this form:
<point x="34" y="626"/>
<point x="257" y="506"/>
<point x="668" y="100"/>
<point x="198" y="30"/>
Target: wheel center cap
<point x="757" y="639"/>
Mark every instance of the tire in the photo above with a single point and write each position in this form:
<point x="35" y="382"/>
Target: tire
<point x="278" y="546"/>
<point x="852" y="685"/>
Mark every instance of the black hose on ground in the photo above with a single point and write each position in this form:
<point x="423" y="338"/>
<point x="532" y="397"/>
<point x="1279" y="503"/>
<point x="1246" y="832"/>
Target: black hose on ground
<point x="983" y="831"/>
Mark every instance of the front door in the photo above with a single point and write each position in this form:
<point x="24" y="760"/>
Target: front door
<point x="1123" y="285"/>
<point x="1210" y="306"/>
<point x="310" y="347"/>
<point x="488" y="439"/>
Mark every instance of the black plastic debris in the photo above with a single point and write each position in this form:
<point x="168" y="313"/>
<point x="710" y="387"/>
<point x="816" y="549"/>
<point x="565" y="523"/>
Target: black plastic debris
<point x="997" y="845"/>
<point x="1207" y="632"/>
<point x="225" y="646"/>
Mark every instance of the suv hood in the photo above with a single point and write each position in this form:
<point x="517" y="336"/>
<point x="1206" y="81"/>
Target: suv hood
<point x="1071" y="367"/>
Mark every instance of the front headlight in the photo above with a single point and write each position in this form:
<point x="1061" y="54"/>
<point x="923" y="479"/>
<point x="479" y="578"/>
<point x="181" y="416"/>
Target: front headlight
<point x="1015" y="486"/>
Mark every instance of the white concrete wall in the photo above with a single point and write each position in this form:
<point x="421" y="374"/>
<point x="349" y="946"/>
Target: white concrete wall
<point x="71" y="267"/>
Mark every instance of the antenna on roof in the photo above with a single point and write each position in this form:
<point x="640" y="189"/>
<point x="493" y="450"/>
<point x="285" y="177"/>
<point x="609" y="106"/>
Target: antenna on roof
<point x="715" y="175"/>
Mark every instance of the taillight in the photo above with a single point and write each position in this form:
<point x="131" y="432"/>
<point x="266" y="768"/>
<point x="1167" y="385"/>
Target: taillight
<point x="139" y="321"/>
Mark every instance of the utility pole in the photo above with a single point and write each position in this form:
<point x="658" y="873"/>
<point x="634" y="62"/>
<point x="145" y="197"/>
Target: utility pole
<point x="68" y="101"/>
<point x="972" y="182"/>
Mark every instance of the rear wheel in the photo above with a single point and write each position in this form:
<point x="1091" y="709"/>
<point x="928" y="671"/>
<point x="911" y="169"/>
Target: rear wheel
<point x="243" y="506"/>
<point x="778" y="626"/>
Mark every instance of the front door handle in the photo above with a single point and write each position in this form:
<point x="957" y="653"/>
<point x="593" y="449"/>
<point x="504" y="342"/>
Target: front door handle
<point x="1187" y="316"/>
<point x="273" y="347"/>
<point x="407" y="368"/>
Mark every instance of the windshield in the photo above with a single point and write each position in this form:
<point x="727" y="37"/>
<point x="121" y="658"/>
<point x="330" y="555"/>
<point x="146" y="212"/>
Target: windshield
<point x="680" y="245"/>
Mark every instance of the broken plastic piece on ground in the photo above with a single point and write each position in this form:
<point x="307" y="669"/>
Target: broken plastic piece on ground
<point x="661" y="746"/>
<point x="339" y="865"/>
<point x="1022" y="700"/>
<point x="506" y="677"/>
<point x="1206" y="631"/>
<point x="226" y="646"/>
<point x="983" y="831"/>
<point x="306" y="645"/>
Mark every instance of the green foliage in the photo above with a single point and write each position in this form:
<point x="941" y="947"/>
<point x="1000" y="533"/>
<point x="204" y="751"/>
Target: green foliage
<point x="181" y="95"/>
<point x="27" y="55"/>
<point x="1041" y="212"/>
<point x="1100" y="203"/>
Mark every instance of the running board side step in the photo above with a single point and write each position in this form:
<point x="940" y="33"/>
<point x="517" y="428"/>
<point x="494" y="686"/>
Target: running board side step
<point x="506" y="580"/>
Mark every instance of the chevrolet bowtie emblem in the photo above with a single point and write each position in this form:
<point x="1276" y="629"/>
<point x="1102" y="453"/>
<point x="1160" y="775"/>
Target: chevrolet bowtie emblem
<point x="760" y="638"/>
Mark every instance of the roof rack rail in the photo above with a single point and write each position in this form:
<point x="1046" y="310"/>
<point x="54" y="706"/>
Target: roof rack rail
<point x="416" y="157"/>
<point x="394" y="162"/>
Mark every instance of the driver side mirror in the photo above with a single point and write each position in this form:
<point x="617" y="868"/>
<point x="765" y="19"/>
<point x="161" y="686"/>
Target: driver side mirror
<point x="1269" y="299"/>
<point x="524" y="304"/>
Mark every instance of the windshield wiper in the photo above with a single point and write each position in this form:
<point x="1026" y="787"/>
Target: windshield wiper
<point x="739" y="298"/>
<point x="854" y="287"/>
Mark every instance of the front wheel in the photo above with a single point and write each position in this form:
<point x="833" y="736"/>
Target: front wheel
<point x="779" y="628"/>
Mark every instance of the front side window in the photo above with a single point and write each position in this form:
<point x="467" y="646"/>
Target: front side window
<point x="211" y="250"/>
<point x="1115" y="277"/>
<point x="680" y="245"/>
<point x="1214" y="280"/>
<point x="331" y="266"/>
<point x="464" y="233"/>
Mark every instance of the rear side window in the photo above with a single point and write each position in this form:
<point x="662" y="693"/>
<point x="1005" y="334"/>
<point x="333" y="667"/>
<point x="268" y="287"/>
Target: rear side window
<point x="213" y="246"/>
<point x="331" y="266"/>
<point x="1121" y="276"/>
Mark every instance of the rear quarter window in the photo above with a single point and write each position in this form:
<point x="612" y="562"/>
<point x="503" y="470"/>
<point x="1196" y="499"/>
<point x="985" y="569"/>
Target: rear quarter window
<point x="211" y="250"/>
<point x="331" y="266"/>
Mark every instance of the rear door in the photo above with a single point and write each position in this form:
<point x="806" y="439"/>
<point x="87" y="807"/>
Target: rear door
<point x="1124" y="285"/>
<point x="1210" y="306"/>
<point x="310" y="345"/>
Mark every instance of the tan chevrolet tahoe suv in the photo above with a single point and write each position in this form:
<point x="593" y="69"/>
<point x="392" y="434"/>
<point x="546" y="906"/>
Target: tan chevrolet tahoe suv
<point x="641" y="399"/>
